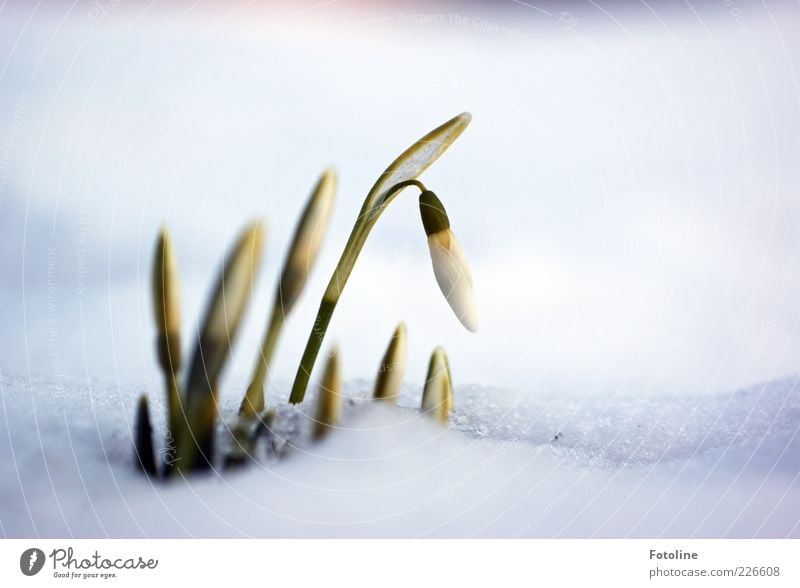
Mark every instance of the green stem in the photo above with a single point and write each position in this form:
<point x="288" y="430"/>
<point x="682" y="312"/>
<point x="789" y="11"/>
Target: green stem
<point x="168" y="346"/>
<point x="313" y="346"/>
<point x="174" y="419"/>
<point x="364" y="223"/>
<point x="253" y="402"/>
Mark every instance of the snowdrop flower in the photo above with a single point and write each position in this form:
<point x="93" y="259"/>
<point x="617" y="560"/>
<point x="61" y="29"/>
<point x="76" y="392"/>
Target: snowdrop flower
<point x="401" y="173"/>
<point x="449" y="263"/>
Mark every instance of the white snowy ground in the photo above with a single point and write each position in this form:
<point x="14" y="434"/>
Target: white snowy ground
<point x="627" y="195"/>
<point x="510" y="466"/>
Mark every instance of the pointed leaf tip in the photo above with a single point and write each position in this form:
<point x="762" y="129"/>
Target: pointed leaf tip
<point x="390" y="373"/>
<point x="166" y="292"/>
<point x="437" y="396"/>
<point x="329" y="401"/>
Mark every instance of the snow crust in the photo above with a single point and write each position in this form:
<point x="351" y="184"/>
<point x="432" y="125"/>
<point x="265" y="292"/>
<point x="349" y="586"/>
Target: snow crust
<point x="509" y="465"/>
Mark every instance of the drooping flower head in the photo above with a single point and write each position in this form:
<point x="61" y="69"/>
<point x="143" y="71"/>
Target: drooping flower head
<point x="449" y="263"/>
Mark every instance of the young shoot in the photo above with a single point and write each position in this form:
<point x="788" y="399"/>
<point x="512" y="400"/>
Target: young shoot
<point x="166" y="304"/>
<point x="437" y="396"/>
<point x="390" y="373"/>
<point x="329" y="401"/>
<point x="221" y="323"/>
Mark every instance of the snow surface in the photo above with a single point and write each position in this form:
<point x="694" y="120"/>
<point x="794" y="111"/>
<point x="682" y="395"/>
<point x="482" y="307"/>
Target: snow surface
<point x="509" y="466"/>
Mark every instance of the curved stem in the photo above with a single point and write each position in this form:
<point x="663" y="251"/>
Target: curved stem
<point x="358" y="236"/>
<point x="355" y="243"/>
<point x="391" y="192"/>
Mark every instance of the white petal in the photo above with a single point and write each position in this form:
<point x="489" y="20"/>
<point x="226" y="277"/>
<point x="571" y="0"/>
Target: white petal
<point x="454" y="278"/>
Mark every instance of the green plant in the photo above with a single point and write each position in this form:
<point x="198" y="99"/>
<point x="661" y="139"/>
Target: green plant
<point x="402" y="173"/>
<point x="166" y="304"/>
<point x="195" y="443"/>
<point x="192" y="411"/>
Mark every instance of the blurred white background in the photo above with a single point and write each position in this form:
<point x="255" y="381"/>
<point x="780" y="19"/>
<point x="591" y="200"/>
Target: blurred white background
<point x="627" y="192"/>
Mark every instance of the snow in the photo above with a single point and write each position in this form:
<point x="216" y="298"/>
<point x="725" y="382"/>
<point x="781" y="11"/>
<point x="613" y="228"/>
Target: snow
<point x="724" y="466"/>
<point x="626" y="195"/>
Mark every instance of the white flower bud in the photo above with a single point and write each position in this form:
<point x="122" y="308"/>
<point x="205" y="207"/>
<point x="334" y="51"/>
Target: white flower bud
<point x="449" y="263"/>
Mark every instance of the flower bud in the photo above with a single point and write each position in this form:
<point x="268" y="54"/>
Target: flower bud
<point x="449" y="263"/>
<point x="233" y="290"/>
<point x="307" y="240"/>
<point x="221" y="323"/>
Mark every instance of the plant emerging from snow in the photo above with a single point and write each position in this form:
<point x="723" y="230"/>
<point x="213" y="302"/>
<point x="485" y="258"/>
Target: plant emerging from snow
<point x="192" y="409"/>
<point x="401" y="174"/>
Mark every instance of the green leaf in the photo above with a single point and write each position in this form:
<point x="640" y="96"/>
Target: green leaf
<point x="220" y="326"/>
